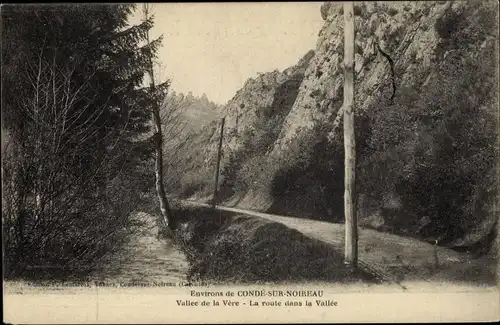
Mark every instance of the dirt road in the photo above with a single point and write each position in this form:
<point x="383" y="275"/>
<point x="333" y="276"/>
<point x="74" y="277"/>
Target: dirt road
<point x="391" y="257"/>
<point x="149" y="259"/>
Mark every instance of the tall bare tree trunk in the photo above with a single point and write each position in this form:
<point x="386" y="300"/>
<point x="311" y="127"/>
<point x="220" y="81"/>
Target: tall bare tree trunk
<point x="166" y="212"/>
<point x="217" y="168"/>
<point x="351" y="233"/>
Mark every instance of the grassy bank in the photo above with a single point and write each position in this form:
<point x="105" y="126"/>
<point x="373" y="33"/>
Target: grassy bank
<point x="226" y="247"/>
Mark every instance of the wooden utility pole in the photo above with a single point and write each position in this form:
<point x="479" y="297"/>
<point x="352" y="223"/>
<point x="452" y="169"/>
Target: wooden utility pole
<point x="351" y="226"/>
<point x="166" y="212"/>
<point x="219" y="154"/>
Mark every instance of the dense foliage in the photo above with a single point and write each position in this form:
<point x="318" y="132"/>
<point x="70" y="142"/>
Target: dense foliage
<point x="436" y="148"/>
<point x="74" y="167"/>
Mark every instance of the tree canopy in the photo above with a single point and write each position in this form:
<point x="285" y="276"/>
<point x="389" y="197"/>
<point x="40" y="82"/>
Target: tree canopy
<point x="77" y="115"/>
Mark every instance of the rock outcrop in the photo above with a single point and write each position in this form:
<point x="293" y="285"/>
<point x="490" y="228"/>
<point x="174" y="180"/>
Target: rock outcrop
<point x="283" y="149"/>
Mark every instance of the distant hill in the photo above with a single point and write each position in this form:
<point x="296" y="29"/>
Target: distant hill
<point x="186" y="118"/>
<point x="195" y="112"/>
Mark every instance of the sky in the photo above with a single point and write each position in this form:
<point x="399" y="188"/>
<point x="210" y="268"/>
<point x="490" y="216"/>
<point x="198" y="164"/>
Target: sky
<point x="213" y="48"/>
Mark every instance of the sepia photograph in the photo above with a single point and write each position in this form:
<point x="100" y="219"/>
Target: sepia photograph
<point x="250" y="162"/>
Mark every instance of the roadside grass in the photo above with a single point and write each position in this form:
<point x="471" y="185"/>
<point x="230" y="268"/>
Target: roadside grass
<point x="404" y="258"/>
<point x="314" y="244"/>
<point x="226" y="247"/>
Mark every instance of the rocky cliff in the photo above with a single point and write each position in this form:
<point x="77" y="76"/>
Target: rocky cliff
<point x="425" y="105"/>
<point x="255" y="114"/>
<point x="410" y="33"/>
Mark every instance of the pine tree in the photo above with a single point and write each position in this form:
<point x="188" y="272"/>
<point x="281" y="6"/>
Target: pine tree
<point x="76" y="112"/>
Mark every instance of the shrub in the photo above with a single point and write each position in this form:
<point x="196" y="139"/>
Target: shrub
<point x="194" y="182"/>
<point x="73" y="236"/>
<point x="435" y="147"/>
<point x="392" y="11"/>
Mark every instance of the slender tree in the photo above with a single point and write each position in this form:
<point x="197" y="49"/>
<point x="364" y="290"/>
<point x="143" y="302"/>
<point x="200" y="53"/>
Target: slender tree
<point x="217" y="168"/>
<point x="159" y="93"/>
<point x="351" y="234"/>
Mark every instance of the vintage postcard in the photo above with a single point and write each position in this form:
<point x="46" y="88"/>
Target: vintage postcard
<point x="266" y="162"/>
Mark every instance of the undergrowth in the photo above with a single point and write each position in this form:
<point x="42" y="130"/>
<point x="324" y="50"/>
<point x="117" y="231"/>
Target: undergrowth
<point x="223" y="247"/>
